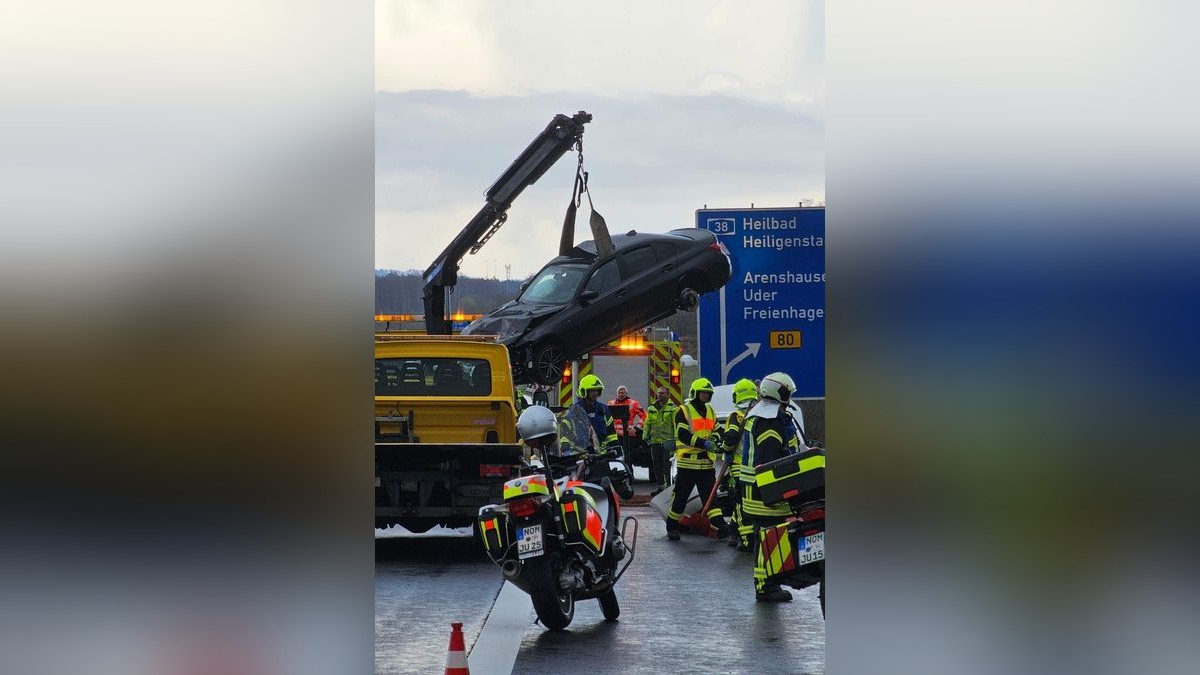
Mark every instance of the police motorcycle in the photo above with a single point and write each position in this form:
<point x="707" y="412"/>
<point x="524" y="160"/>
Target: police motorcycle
<point x="794" y="551"/>
<point x="555" y="536"/>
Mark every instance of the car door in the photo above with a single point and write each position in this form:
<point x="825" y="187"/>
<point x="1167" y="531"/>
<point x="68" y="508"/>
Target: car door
<point x="649" y="284"/>
<point x="599" y="320"/>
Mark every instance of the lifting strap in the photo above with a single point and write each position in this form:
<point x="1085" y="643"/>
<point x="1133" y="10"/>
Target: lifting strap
<point x="599" y="227"/>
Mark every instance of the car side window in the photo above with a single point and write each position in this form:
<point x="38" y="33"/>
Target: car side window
<point x="663" y="251"/>
<point x="639" y="260"/>
<point x="604" y="278"/>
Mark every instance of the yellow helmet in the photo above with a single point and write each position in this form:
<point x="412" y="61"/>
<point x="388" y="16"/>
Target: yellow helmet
<point x="587" y="383"/>
<point x="700" y="384"/>
<point x="744" y="392"/>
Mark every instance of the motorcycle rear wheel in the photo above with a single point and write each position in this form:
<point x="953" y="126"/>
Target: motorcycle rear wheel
<point x="609" y="606"/>
<point x="821" y="595"/>
<point x="555" y="607"/>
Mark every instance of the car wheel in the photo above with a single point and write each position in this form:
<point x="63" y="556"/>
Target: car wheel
<point x="520" y="373"/>
<point x="548" y="360"/>
<point x="687" y="300"/>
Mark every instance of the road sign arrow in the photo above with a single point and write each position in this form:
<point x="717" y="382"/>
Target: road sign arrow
<point x="751" y="351"/>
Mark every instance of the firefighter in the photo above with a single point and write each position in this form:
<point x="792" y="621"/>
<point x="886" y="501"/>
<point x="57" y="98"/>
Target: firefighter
<point x="590" y="388"/>
<point x="695" y="453"/>
<point x="659" y="434"/>
<point x="745" y="394"/>
<point x="628" y="429"/>
<point x="768" y="435"/>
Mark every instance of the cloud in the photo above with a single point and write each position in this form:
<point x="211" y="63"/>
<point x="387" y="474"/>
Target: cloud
<point x="773" y="49"/>
<point x="652" y="161"/>
<point x="696" y="102"/>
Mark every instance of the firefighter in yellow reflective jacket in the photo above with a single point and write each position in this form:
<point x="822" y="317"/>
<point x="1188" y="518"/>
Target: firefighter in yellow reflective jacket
<point x="769" y="435"/>
<point x="695" y="453"/>
<point x="590" y="388"/>
<point x="745" y="394"/>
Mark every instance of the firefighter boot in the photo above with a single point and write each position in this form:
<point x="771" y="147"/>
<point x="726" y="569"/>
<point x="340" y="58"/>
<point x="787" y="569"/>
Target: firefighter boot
<point x="772" y="593"/>
<point x="673" y="530"/>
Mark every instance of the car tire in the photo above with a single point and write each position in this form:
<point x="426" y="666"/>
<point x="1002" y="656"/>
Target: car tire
<point x="548" y="360"/>
<point x="688" y="299"/>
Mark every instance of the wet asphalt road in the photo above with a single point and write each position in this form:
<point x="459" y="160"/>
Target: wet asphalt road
<point x="422" y="585"/>
<point x="686" y="606"/>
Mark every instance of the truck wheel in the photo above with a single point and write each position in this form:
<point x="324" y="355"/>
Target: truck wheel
<point x="554" y="607"/>
<point x="548" y="360"/>
<point x="608" y="605"/>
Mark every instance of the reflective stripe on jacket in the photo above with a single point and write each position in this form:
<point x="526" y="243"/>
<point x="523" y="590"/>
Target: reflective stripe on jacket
<point x="765" y="440"/>
<point x="692" y="428"/>
<point x="731" y="439"/>
<point x="660" y="422"/>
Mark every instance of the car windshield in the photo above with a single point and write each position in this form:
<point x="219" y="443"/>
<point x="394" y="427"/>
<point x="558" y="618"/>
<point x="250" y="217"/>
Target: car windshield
<point x="554" y="285"/>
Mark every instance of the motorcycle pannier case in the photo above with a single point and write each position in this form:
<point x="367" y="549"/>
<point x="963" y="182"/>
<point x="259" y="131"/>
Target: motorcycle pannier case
<point x="494" y="532"/>
<point x="778" y="546"/>
<point x="581" y="519"/>
<point x="799" y="477"/>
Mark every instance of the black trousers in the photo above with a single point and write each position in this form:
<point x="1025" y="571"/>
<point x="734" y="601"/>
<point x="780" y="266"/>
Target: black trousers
<point x="685" y="479"/>
<point x="660" y="465"/>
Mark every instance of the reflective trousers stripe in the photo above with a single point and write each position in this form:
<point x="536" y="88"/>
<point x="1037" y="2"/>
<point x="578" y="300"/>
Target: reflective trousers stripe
<point x="751" y="506"/>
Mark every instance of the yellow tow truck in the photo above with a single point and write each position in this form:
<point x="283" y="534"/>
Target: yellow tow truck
<point x="445" y="429"/>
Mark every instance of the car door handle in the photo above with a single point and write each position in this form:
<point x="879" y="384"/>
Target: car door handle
<point x="668" y="268"/>
<point x="621" y="293"/>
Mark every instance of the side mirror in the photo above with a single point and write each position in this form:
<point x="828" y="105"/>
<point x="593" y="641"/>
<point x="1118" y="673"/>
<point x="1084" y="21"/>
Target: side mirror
<point x="524" y="285"/>
<point x="588" y="296"/>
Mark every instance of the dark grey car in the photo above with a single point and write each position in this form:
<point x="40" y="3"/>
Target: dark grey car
<point x="578" y="302"/>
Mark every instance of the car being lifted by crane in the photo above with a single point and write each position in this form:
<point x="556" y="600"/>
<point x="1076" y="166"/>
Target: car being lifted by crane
<point x="590" y="294"/>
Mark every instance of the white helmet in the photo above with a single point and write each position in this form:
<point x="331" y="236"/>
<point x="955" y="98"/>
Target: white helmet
<point x="777" y="387"/>
<point x="536" y="423"/>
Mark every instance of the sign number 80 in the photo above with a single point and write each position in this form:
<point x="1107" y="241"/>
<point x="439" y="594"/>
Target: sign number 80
<point x="785" y="339"/>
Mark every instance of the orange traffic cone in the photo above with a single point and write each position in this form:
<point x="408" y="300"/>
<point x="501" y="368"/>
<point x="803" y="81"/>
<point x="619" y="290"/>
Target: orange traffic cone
<point x="456" y="658"/>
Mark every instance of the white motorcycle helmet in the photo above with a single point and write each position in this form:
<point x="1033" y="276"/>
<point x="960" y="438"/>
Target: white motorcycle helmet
<point x="537" y="426"/>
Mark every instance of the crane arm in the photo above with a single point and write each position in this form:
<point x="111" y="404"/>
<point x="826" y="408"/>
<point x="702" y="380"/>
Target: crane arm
<point x="562" y="134"/>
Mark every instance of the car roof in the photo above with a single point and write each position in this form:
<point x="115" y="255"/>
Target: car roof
<point x="586" y="252"/>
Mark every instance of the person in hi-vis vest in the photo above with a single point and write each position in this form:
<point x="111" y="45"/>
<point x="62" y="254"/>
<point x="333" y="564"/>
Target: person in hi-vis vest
<point x="695" y="454"/>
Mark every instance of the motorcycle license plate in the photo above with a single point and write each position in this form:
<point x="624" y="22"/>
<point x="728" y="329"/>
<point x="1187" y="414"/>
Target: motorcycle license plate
<point x="810" y="549"/>
<point x="529" y="541"/>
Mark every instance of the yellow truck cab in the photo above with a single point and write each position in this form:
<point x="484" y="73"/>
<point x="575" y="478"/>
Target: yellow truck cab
<point x="445" y="429"/>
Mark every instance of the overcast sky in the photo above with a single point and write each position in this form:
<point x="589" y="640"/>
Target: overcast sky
<point x="695" y="103"/>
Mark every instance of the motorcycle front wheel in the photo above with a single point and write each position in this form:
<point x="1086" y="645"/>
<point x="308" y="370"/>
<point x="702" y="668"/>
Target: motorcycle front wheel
<point x="554" y="607"/>
<point x="608" y="605"/>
